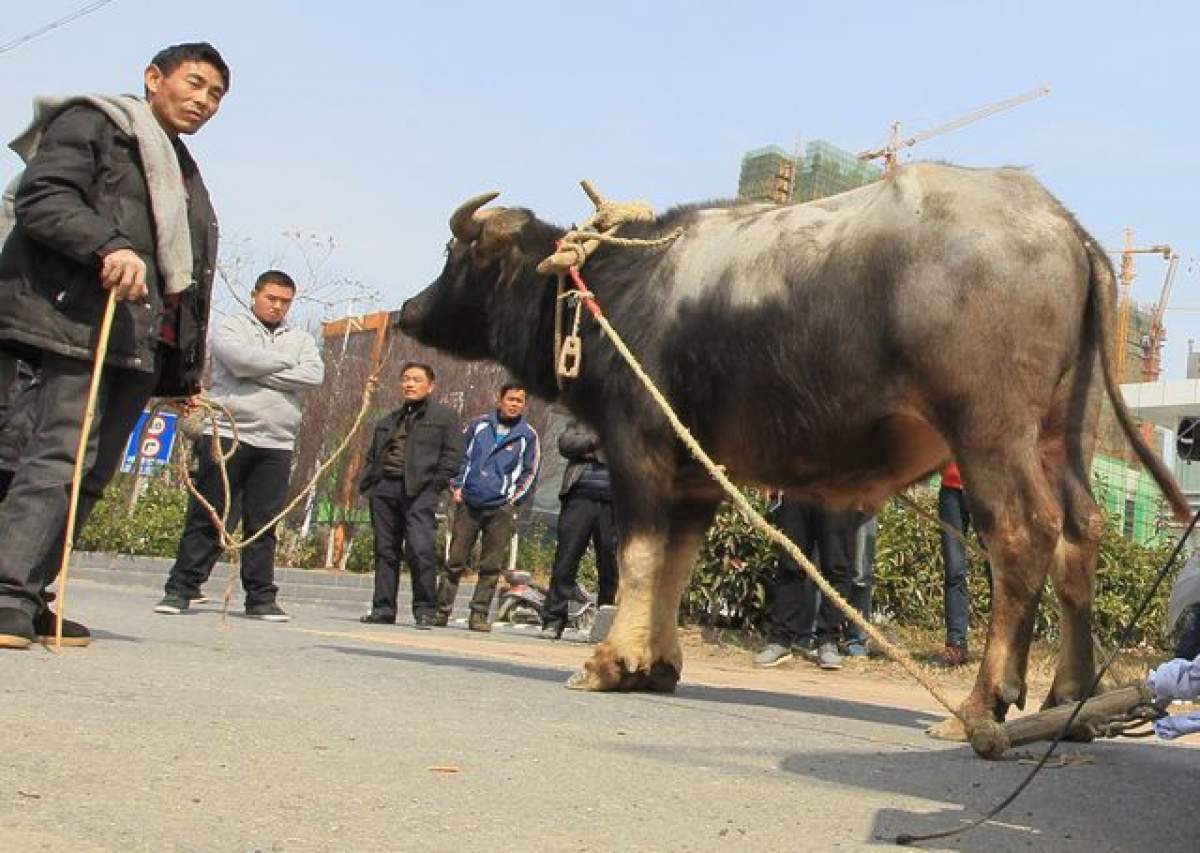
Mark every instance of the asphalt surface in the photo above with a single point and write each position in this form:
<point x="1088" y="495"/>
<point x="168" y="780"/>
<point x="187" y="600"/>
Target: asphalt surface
<point x="180" y="733"/>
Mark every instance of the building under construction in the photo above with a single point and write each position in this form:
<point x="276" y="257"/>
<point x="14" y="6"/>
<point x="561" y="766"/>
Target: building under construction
<point x="771" y="174"/>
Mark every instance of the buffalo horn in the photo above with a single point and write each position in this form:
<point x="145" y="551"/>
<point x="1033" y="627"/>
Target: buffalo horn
<point x="464" y="224"/>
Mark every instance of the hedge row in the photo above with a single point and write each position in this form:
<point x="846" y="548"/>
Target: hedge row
<point x="732" y="576"/>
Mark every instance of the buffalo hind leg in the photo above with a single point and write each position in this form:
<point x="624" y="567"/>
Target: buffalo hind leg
<point x="1073" y="574"/>
<point x="642" y="650"/>
<point x="1021" y="521"/>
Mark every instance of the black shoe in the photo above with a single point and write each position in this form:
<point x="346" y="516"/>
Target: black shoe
<point x="16" y="628"/>
<point x="269" y="612"/>
<point x="172" y="605"/>
<point x="377" y="619"/>
<point x="552" y="631"/>
<point x="426" y="622"/>
<point x="73" y="634"/>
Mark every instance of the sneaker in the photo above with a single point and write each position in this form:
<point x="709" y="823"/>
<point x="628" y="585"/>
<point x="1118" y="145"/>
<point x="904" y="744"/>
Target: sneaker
<point x="16" y="629"/>
<point x="856" y="649"/>
<point x="773" y="654"/>
<point x="172" y="605"/>
<point x="441" y="620"/>
<point x="425" y="622"/>
<point x="73" y="633"/>
<point x="269" y="612"/>
<point x="479" y="622"/>
<point x="828" y="657"/>
<point x="199" y="599"/>
<point x="952" y="655"/>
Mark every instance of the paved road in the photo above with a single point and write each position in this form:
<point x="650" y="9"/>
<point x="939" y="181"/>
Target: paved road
<point x="173" y="733"/>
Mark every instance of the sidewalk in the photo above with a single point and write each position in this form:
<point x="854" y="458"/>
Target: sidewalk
<point x="314" y="585"/>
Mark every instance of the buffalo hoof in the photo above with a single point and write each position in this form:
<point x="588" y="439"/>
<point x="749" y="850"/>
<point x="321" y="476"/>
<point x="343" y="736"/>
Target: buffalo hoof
<point x="951" y="729"/>
<point x="989" y="740"/>
<point x="602" y="676"/>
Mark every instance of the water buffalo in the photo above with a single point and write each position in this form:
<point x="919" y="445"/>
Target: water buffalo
<point x="840" y="349"/>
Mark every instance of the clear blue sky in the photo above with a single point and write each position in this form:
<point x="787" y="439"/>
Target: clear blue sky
<point x="370" y="121"/>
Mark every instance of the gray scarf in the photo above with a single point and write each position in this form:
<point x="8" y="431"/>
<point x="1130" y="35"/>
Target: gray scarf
<point x="168" y="196"/>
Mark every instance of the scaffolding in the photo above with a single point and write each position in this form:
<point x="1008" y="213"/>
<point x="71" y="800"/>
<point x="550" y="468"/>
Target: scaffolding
<point x="771" y="174"/>
<point x="767" y="175"/>
<point x="1132" y="497"/>
<point x="828" y="170"/>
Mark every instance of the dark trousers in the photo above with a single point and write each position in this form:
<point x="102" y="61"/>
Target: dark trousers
<point x="863" y="579"/>
<point x="581" y="519"/>
<point x="1189" y="634"/>
<point x="33" y="515"/>
<point x="953" y="510"/>
<point x="497" y="526"/>
<point x="258" y="483"/>
<point x="831" y="534"/>
<point x="404" y="527"/>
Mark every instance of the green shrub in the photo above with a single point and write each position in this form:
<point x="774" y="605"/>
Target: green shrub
<point x="729" y="584"/>
<point x="733" y="572"/>
<point x="151" y="529"/>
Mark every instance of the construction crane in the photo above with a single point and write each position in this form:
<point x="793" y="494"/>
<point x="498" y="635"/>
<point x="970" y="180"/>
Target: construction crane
<point x="1153" y="341"/>
<point x="1125" y="302"/>
<point x="889" y="152"/>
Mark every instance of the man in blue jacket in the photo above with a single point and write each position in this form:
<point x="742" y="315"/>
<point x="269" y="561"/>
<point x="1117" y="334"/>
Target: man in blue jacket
<point x="497" y="475"/>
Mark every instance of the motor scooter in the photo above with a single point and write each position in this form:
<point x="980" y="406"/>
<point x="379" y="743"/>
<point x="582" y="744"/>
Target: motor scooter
<point x="522" y="603"/>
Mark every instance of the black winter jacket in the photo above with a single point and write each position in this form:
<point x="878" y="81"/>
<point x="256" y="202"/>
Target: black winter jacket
<point x="586" y="467"/>
<point x="432" y="449"/>
<point x="82" y="196"/>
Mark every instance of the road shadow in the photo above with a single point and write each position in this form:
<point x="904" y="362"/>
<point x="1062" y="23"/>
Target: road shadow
<point x="720" y="699"/>
<point x="460" y="662"/>
<point x="1106" y="796"/>
<point x="113" y="636"/>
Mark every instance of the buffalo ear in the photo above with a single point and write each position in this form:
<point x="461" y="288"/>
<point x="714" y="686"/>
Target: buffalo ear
<point x="498" y="237"/>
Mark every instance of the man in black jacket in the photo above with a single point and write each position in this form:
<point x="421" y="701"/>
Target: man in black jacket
<point x="586" y="514"/>
<point x="413" y="455"/>
<point x="110" y="201"/>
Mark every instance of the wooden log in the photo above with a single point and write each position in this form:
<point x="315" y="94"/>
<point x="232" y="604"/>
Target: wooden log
<point x="992" y="740"/>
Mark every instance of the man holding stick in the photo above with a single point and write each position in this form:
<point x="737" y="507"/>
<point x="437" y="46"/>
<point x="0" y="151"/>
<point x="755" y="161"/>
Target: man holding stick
<point x="110" y="202"/>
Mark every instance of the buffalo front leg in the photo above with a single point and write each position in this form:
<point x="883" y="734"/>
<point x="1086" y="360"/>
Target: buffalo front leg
<point x="642" y="650"/>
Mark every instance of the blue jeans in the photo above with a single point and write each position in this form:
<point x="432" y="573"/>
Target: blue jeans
<point x="952" y="509"/>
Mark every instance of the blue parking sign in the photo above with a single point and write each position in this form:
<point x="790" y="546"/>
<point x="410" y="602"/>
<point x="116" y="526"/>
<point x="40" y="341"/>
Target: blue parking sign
<point x="157" y="441"/>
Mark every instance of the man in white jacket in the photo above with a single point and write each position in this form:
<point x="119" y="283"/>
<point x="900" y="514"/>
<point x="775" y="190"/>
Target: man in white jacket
<point x="258" y="367"/>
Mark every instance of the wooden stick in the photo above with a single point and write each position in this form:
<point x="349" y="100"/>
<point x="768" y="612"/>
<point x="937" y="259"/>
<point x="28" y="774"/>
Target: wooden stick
<point x="1098" y="711"/>
<point x="89" y="414"/>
